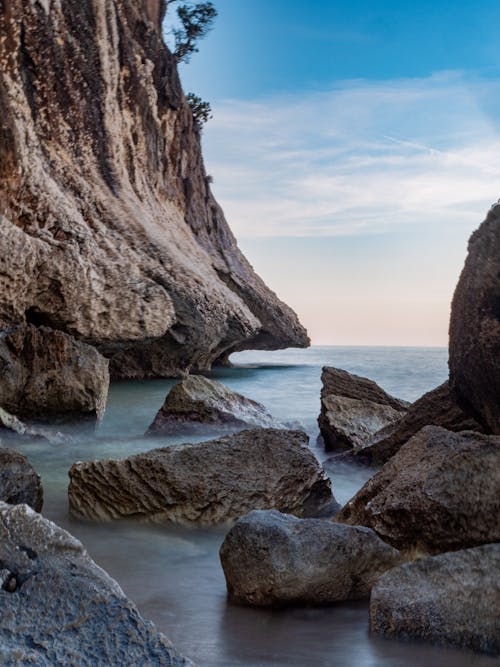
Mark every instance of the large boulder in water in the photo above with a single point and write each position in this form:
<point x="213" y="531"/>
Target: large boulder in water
<point x="19" y="482"/>
<point x="450" y="599"/>
<point x="198" y="404"/>
<point x="206" y="482"/>
<point x="47" y="374"/>
<point x="438" y="493"/>
<point x="60" y="608"/>
<point x="274" y="559"/>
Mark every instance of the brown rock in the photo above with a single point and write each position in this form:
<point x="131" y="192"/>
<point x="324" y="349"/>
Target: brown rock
<point x="19" y="482"/>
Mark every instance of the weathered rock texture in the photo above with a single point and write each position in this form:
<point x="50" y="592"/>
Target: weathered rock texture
<point x="273" y="559"/>
<point x="208" y="482"/>
<point x="108" y="228"/>
<point x="60" y="608"/>
<point x="47" y="373"/>
<point x="449" y="599"/>
<point x="353" y="409"/>
<point x="19" y="482"/>
<point x="198" y="402"/>
<point x="440" y="492"/>
<point x="475" y="326"/>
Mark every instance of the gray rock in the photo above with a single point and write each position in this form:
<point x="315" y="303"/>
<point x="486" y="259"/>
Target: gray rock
<point x="451" y="599"/>
<point x="207" y="482"/>
<point x="15" y="426"/>
<point x="273" y="559"/>
<point x="60" y="608"/>
<point x="19" y="482"/>
<point x="198" y="404"/>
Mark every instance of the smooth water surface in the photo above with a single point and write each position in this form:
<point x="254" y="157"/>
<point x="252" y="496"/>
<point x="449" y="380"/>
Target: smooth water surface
<point x="174" y="575"/>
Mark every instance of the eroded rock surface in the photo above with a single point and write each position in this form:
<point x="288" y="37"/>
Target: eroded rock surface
<point x="274" y="559"/>
<point x="60" y="608"/>
<point x="108" y="228"/>
<point x="19" y="482"/>
<point x="207" y="482"/>
<point x="451" y="599"/>
<point x="438" y="493"/>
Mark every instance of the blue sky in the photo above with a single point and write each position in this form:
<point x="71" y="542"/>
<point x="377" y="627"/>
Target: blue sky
<point x="354" y="148"/>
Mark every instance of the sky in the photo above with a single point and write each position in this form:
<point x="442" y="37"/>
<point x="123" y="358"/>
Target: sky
<point x="354" y="148"/>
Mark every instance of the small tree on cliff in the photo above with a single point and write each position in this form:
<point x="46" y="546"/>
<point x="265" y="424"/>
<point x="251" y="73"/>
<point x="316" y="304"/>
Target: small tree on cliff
<point x="196" y="20"/>
<point x="202" y="111"/>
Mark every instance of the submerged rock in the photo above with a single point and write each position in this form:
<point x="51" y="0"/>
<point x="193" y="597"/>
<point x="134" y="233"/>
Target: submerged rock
<point x="15" y="426"/>
<point x="207" y="482"/>
<point x="450" y="599"/>
<point x="60" y="608"/>
<point x="47" y="374"/>
<point x="19" y="482"/>
<point x="198" y="401"/>
<point x="438" y="493"/>
<point x="273" y="559"/>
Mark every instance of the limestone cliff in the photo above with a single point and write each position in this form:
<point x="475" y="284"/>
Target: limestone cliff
<point x="109" y="230"/>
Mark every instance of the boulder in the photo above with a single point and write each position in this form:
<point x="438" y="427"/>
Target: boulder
<point x="19" y="482"/>
<point x="450" y="599"/>
<point x="207" y="482"/>
<point x="47" y="374"/>
<point x="198" y="403"/>
<point x="438" y="493"/>
<point x="353" y="409"/>
<point x="60" y="608"/>
<point x="273" y="559"/>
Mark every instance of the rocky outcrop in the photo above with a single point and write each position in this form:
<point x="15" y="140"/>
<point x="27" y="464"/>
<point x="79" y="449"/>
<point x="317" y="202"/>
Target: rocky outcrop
<point x="206" y="483"/>
<point x="274" y="559"/>
<point x="198" y="404"/>
<point x="353" y="409"/>
<point x="438" y="493"/>
<point x="108" y="228"/>
<point x="60" y="608"/>
<point x="451" y="599"/>
<point x="19" y="482"/>
<point x="47" y="374"/>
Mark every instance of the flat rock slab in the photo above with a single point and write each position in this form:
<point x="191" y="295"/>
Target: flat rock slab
<point x="60" y="608"/>
<point x="450" y="599"/>
<point x="274" y="559"/>
<point x="19" y="482"/>
<point x="205" y="483"/>
<point x="440" y="492"/>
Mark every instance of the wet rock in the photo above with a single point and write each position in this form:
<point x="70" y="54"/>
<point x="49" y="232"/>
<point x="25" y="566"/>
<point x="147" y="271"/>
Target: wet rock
<point x="15" y="426"/>
<point x="47" y="374"/>
<point x="198" y="401"/>
<point x="274" y="559"/>
<point x="438" y="493"/>
<point x="60" y="608"/>
<point x="19" y="482"/>
<point x="207" y="482"/>
<point x="450" y="599"/>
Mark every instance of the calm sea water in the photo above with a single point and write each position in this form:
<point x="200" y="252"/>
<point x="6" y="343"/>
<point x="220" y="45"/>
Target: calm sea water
<point x="174" y="575"/>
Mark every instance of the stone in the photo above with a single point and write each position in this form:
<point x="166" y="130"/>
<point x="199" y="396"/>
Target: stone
<point x="452" y="599"/>
<point x="109" y="230"/>
<point x="60" y="608"/>
<point x="438" y="493"/>
<point x="353" y="409"/>
<point x="205" y="483"/>
<point x="19" y="429"/>
<point x="274" y="559"/>
<point x="19" y="482"/>
<point x="46" y="374"/>
<point x="198" y="404"/>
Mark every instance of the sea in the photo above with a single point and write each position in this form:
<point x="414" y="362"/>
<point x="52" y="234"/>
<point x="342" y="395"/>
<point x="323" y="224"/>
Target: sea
<point x="173" y="574"/>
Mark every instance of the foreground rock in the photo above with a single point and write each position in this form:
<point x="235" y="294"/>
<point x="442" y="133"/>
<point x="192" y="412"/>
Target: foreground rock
<point x="451" y="599"/>
<point x="198" y="402"/>
<point x="273" y="559"/>
<point x="60" y="608"/>
<point x="47" y="374"/>
<point x="353" y="409"/>
<point x="438" y="493"/>
<point x="206" y="483"/>
<point x="19" y="482"/>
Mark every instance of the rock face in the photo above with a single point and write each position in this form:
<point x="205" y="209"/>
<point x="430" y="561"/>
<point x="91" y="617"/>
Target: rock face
<point x="47" y="374"/>
<point x="206" y="483"/>
<point x="60" y="608"/>
<point x="109" y="230"/>
<point x="353" y="409"/>
<point x="438" y="493"/>
<point x="19" y="483"/>
<point x="198" y="402"/>
<point x="449" y="599"/>
<point x="273" y="559"/>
